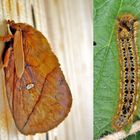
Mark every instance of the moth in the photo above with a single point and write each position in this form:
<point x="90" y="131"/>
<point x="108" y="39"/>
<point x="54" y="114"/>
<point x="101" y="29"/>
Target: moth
<point x="38" y="94"/>
<point x="127" y="28"/>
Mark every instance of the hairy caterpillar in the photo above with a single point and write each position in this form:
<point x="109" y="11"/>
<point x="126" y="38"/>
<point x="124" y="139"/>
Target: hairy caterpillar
<point x="127" y="27"/>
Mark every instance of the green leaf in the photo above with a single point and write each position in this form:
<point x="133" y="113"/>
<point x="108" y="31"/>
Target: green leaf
<point x="134" y="137"/>
<point x="106" y="60"/>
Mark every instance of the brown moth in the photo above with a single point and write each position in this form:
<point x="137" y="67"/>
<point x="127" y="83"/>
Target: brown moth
<point x="38" y="95"/>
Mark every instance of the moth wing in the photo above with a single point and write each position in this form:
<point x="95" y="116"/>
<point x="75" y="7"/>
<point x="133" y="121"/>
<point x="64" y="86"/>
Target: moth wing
<point x="18" y="53"/>
<point x="41" y="98"/>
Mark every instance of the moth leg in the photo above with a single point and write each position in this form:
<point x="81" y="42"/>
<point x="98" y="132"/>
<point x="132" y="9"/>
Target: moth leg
<point x="7" y="56"/>
<point x="6" y="38"/>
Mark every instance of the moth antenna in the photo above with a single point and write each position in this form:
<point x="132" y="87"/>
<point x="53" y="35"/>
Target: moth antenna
<point x="18" y="49"/>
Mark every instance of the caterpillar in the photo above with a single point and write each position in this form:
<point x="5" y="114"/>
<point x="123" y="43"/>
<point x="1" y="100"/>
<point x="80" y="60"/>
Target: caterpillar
<point x="127" y="27"/>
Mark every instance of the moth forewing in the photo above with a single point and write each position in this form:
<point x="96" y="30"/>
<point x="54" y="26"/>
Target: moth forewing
<point x="18" y="53"/>
<point x="37" y="92"/>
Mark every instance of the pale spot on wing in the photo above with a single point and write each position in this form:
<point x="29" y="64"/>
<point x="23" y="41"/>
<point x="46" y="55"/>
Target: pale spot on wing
<point x="29" y="86"/>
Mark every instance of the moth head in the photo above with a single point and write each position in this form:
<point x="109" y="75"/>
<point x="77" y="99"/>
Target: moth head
<point x="11" y="24"/>
<point x="15" y="26"/>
